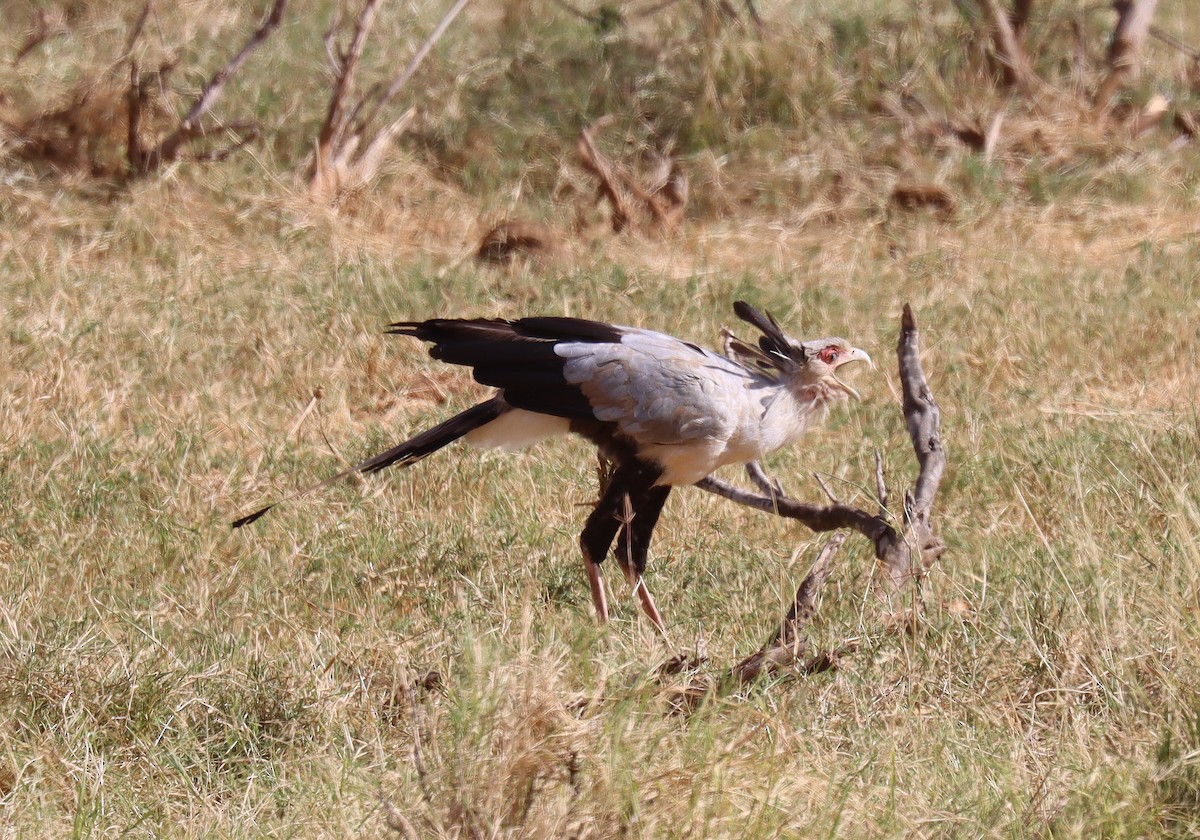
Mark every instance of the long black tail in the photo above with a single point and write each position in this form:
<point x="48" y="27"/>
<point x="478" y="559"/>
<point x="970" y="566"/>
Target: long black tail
<point x="406" y="453"/>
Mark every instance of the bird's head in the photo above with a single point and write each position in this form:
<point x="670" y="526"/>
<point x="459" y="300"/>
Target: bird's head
<point x="823" y="357"/>
<point x="804" y="363"/>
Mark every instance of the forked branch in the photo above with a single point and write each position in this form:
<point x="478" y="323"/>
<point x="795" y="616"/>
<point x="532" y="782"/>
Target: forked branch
<point x="786" y="652"/>
<point x="664" y="200"/>
<point x="894" y="546"/>
<point x="783" y="652"/>
<point x="349" y="148"/>
<point x="143" y="161"/>
<point x="1125" y="51"/>
<point x="1006" y="41"/>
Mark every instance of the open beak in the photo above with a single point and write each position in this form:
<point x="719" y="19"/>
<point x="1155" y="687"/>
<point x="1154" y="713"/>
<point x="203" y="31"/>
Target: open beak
<point x="855" y="355"/>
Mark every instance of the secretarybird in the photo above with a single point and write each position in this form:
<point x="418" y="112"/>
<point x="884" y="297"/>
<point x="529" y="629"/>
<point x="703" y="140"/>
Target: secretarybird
<point x="667" y="412"/>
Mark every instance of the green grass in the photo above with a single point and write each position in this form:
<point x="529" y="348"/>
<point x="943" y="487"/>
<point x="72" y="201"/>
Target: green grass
<point x="162" y="675"/>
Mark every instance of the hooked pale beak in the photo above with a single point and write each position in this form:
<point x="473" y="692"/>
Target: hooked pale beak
<point x="855" y="355"/>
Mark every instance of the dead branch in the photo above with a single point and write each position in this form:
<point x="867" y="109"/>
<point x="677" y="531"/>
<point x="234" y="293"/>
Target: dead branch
<point x="402" y="78"/>
<point x="144" y="161"/>
<point x="1007" y="45"/>
<point x="1170" y="40"/>
<point x="783" y="651"/>
<point x="1022" y="9"/>
<point x="1125" y="51"/>
<point x="665" y="200"/>
<point x="46" y="26"/>
<point x="349" y="151"/>
<point x="781" y="656"/>
<point x="600" y="166"/>
<point x="906" y="552"/>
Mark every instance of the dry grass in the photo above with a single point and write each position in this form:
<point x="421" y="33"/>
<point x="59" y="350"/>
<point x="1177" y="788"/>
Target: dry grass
<point x="161" y="675"/>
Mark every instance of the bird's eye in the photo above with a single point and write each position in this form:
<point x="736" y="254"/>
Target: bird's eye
<point x="829" y="355"/>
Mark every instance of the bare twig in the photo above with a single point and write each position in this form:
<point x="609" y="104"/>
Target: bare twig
<point x="829" y="494"/>
<point x="762" y="481"/>
<point x="349" y="151"/>
<point x="145" y="161"/>
<point x="345" y="65"/>
<point x="894" y="549"/>
<point x="780" y="656"/>
<point x="665" y="203"/>
<point x="45" y="27"/>
<point x="246" y="132"/>
<point x="402" y="78"/>
<point x="600" y="166"/>
<point x="1007" y="45"/>
<point x="1170" y="40"/>
<point x="782" y="652"/>
<point x="1125" y="51"/>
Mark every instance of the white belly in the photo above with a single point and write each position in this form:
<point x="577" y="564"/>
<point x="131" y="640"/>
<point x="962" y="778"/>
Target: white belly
<point x="517" y="429"/>
<point x="687" y="464"/>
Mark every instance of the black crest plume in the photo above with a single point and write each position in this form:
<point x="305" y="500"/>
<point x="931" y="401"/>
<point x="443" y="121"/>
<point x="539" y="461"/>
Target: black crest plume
<point x="772" y="341"/>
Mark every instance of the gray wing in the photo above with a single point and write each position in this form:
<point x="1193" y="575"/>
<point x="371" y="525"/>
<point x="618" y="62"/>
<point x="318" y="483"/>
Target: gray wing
<point x="658" y="389"/>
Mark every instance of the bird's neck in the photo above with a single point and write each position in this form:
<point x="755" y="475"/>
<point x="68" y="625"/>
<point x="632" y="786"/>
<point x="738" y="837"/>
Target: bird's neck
<point x="795" y="408"/>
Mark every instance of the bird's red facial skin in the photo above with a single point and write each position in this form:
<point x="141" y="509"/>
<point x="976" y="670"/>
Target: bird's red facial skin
<point x="830" y="355"/>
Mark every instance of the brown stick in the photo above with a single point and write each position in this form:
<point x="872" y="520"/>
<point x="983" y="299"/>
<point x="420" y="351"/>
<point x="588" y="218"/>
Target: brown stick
<point x="1171" y="41"/>
<point x="893" y="549"/>
<point x="345" y="157"/>
<point x="780" y="656"/>
<point x="600" y="166"/>
<point x="404" y="75"/>
<point x="1007" y="45"/>
<point x="1125" y="52"/>
<point x="334" y="127"/>
<point x="782" y="652"/>
<point x="666" y="206"/>
<point x="324" y="176"/>
<point x="189" y="127"/>
<point x="44" y="28"/>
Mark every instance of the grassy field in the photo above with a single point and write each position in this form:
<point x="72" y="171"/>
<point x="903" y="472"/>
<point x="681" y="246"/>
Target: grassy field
<point x="162" y="675"/>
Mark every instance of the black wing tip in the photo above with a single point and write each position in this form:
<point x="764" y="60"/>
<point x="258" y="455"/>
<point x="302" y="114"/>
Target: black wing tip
<point x="254" y="517"/>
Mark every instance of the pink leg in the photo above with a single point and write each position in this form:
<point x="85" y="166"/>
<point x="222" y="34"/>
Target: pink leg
<point x="597" y="584"/>
<point x="648" y="605"/>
